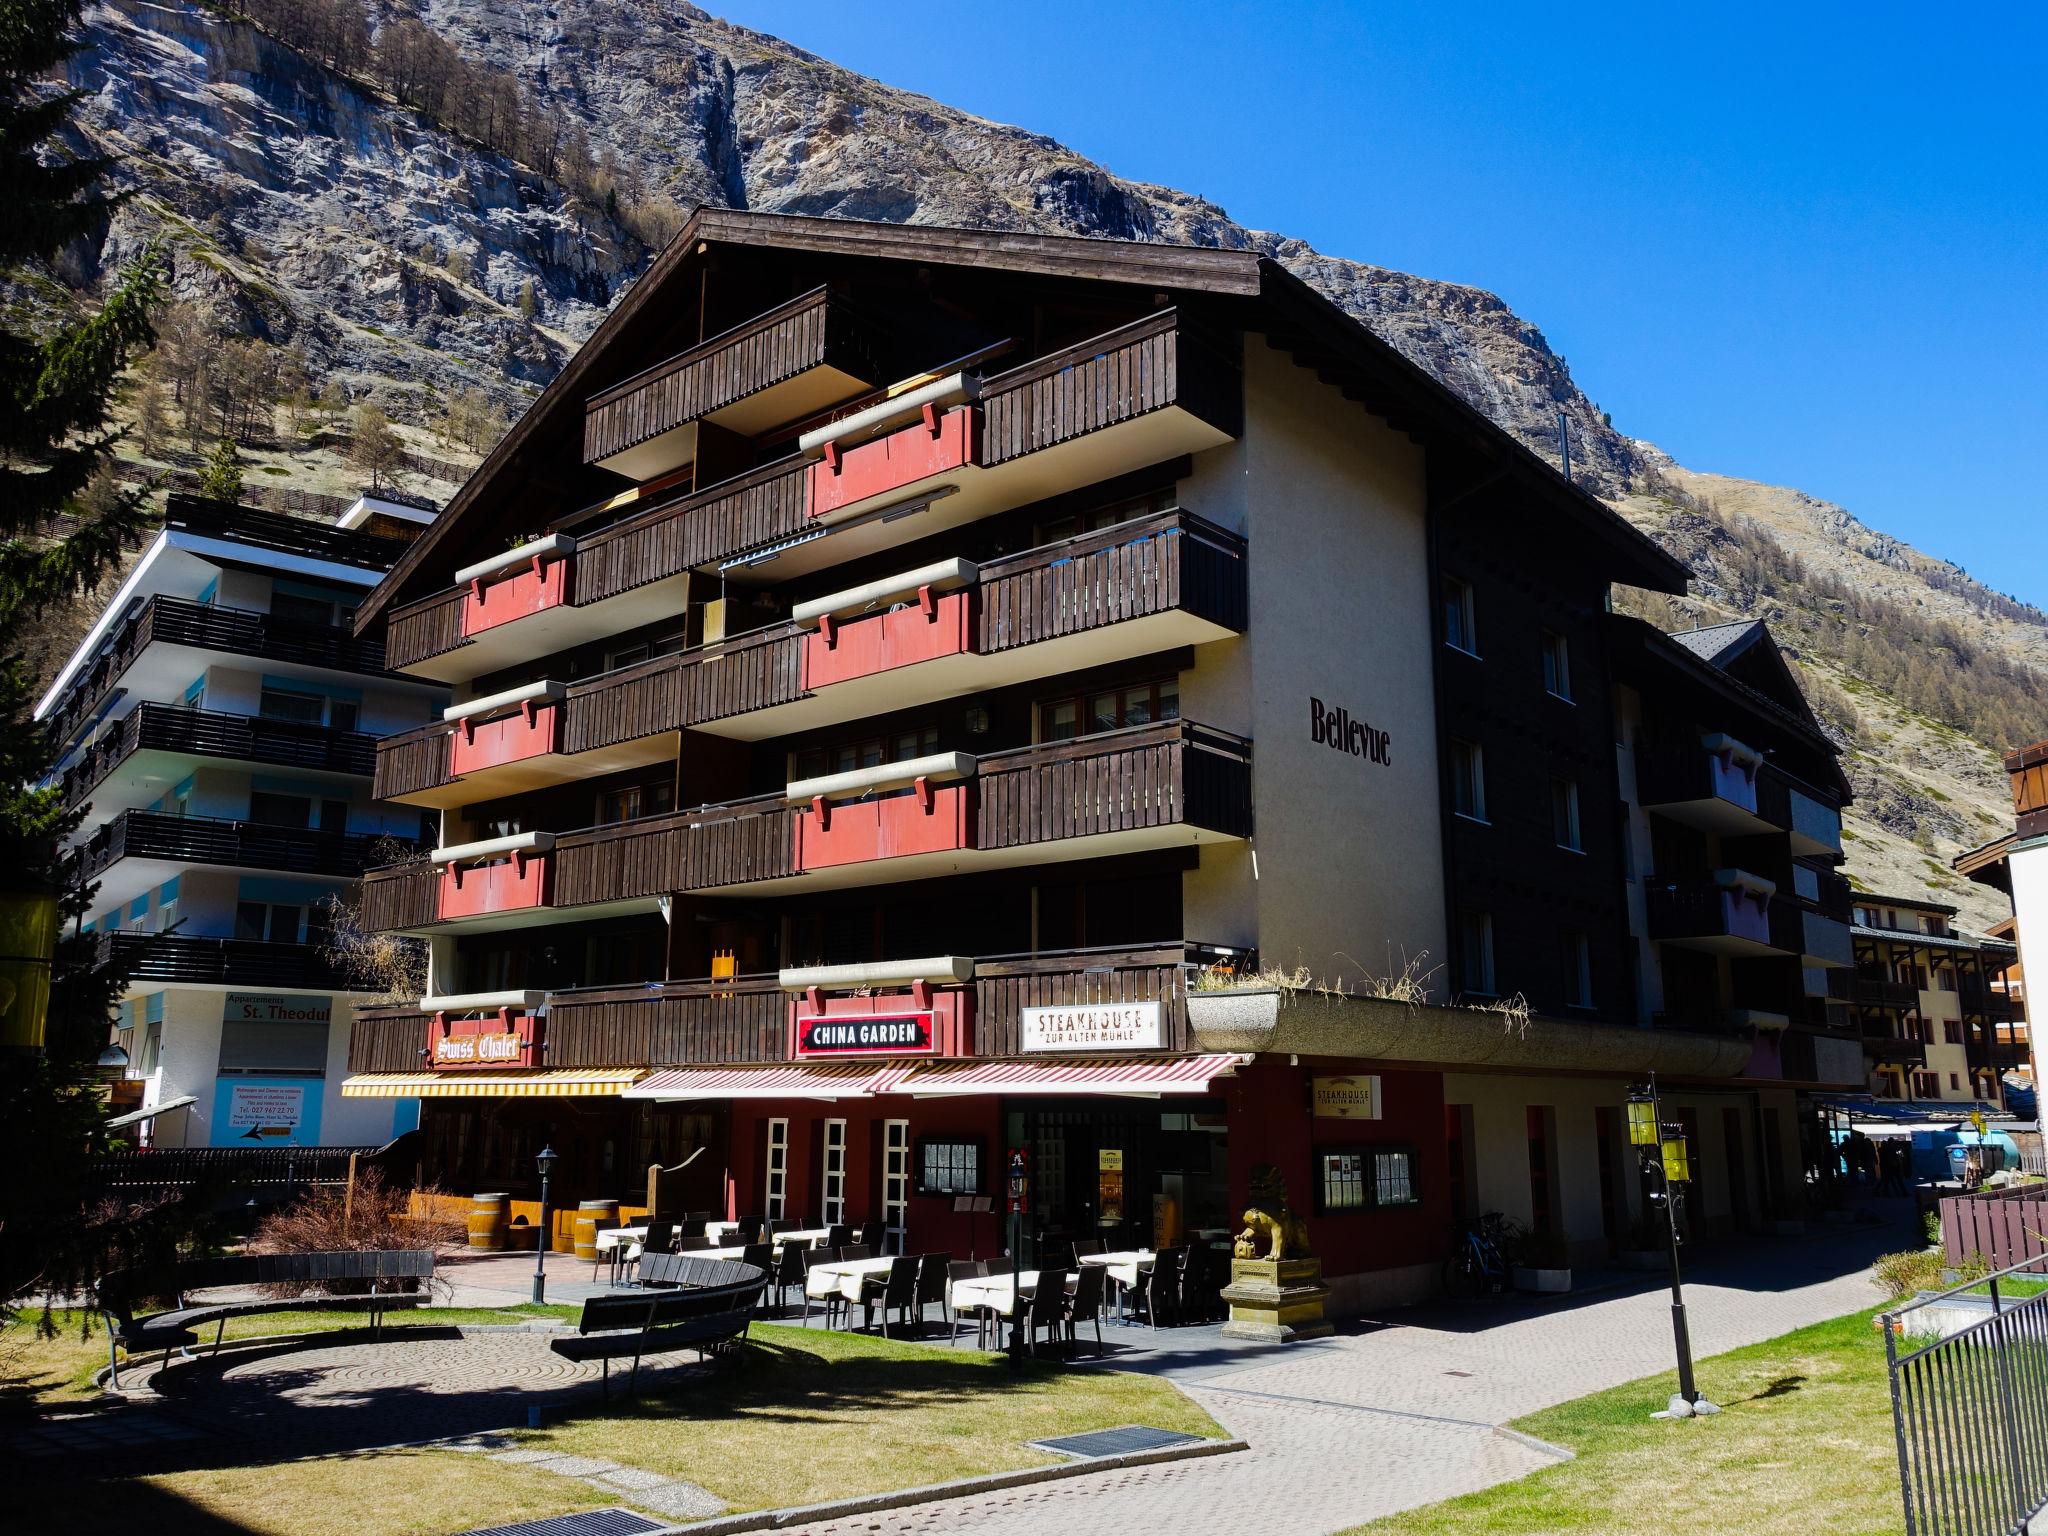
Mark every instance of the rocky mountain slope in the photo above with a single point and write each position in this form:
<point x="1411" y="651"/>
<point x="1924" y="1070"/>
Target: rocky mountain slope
<point x="407" y="262"/>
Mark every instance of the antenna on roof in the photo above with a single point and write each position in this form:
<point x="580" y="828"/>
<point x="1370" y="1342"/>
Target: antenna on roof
<point x="1564" y="443"/>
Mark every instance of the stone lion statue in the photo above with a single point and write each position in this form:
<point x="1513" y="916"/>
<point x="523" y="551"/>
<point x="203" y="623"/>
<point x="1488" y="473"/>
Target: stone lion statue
<point x="1284" y="1233"/>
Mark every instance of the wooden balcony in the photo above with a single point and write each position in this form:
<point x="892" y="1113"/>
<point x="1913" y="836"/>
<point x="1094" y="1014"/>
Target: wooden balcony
<point x="139" y="850"/>
<point x="193" y="960"/>
<point x="788" y="364"/>
<point x="175" y="636"/>
<point x="156" y="745"/>
<point x="1711" y="786"/>
<point x="1721" y="916"/>
<point x="1882" y="992"/>
<point x="1136" y="396"/>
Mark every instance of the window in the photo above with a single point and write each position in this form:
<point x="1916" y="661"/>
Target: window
<point x="1578" y="971"/>
<point x="1564" y="814"/>
<point x="1557" y="665"/>
<point x="898" y="747"/>
<point x="1111" y="709"/>
<point x="1926" y="1085"/>
<point x="635" y="801"/>
<point x="1954" y="1081"/>
<point x="832" y="1173"/>
<point x="1944" y="979"/>
<point x="1475" y="952"/>
<point x="775" y="1171"/>
<point x="270" y="810"/>
<point x="274" y="922"/>
<point x="284" y="704"/>
<point x="1952" y="1032"/>
<point x="297" y="608"/>
<point x="896" y="1181"/>
<point x="665" y="642"/>
<point x="1098" y="518"/>
<point x="1366" y="1179"/>
<point x="948" y="1167"/>
<point x="1461" y="626"/>
<point x="1468" y="780"/>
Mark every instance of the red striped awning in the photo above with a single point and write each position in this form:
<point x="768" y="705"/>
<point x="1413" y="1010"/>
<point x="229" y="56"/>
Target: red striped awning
<point x="798" y="1080"/>
<point x="1131" y="1076"/>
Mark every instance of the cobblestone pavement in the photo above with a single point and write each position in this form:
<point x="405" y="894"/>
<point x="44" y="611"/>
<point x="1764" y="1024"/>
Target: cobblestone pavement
<point x="1393" y="1416"/>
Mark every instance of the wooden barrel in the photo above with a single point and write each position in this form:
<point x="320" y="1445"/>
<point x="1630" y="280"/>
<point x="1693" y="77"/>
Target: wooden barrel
<point x="593" y="1217"/>
<point x="488" y="1222"/>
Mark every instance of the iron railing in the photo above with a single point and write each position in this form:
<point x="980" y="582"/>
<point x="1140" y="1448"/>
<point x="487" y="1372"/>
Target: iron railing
<point x="1970" y="1407"/>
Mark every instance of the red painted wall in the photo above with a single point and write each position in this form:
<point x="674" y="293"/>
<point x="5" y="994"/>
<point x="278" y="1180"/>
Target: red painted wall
<point x="513" y="739"/>
<point x="856" y="831"/>
<point x="1270" y="1123"/>
<point x="887" y="640"/>
<point x="889" y="463"/>
<point x="511" y="886"/>
<point x="934" y="1228"/>
<point x="529" y="591"/>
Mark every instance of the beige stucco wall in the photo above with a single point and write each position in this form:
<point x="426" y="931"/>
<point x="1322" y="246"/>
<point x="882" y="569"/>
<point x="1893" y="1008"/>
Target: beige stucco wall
<point x="1345" y="872"/>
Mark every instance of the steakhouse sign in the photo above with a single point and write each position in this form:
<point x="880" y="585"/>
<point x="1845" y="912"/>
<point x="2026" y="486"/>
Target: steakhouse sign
<point x="1093" y="1027"/>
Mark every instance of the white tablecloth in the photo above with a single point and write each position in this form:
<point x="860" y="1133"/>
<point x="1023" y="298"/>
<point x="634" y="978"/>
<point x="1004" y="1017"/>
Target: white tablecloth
<point x="843" y="1279"/>
<point x="1123" y="1266"/>
<point x="712" y="1253"/>
<point x="993" y="1291"/>
<point x="809" y="1237"/>
<point x="613" y="1237"/>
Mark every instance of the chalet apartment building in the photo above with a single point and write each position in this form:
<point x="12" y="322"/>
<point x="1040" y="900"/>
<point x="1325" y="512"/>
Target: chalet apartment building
<point x="219" y="719"/>
<point x="1938" y="1021"/>
<point x="897" y="673"/>
<point x="2017" y="865"/>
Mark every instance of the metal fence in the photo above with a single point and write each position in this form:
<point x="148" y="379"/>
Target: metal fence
<point x="1970" y="1406"/>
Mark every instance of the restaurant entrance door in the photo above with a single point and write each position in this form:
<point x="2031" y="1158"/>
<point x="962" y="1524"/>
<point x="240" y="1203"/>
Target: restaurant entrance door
<point x="1134" y="1173"/>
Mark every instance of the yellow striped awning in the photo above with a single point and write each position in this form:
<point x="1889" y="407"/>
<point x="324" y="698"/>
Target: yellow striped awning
<point x="562" y="1083"/>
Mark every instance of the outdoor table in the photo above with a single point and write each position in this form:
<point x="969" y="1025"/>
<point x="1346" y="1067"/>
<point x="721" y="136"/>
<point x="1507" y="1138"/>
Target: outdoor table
<point x="809" y="1237"/>
<point x="612" y="1237"/>
<point x="711" y="1253"/>
<point x="993" y="1291"/>
<point x="1125" y="1267"/>
<point x="844" y="1277"/>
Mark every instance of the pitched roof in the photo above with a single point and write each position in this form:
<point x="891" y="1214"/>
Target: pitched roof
<point x="1719" y="644"/>
<point x="1386" y="379"/>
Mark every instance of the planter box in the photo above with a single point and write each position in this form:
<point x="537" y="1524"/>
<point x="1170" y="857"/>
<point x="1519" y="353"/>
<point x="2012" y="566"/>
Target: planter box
<point x="1549" y="1281"/>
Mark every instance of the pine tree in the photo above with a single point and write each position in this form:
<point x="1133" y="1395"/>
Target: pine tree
<point x="63" y="526"/>
<point x="373" y="447"/>
<point x="221" y="480"/>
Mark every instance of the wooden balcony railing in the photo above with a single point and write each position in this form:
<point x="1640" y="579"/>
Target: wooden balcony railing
<point x="205" y="733"/>
<point x="675" y="1023"/>
<point x="814" y="330"/>
<point x="388" y="1040"/>
<point x="717" y="845"/>
<point x="205" y="626"/>
<point x="235" y="844"/>
<point x="1173" y="774"/>
<point x="401" y="896"/>
<point x="220" y="962"/>
<point x="1152" y="364"/>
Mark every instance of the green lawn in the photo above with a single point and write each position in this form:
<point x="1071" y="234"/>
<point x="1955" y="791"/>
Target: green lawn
<point x="1804" y="1444"/>
<point x="800" y="1415"/>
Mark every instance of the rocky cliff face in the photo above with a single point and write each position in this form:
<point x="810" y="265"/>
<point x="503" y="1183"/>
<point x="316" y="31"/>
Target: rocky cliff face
<point x="309" y="209"/>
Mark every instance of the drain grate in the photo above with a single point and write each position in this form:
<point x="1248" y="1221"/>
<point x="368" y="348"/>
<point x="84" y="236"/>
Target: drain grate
<point x="591" y="1522"/>
<point x="1117" y="1442"/>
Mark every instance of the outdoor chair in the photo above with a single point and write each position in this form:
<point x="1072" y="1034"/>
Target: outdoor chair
<point x="873" y="1236"/>
<point x="965" y="1269"/>
<point x="1047" y="1308"/>
<point x="782" y="1224"/>
<point x="749" y="1229"/>
<point x="854" y="1251"/>
<point x="660" y="1238"/>
<point x="790" y="1269"/>
<point x="812" y="1258"/>
<point x="1161" y="1288"/>
<point x="1089" y="1245"/>
<point x="760" y="1255"/>
<point x="837" y="1235"/>
<point x="896" y="1292"/>
<point x="1084" y="1301"/>
<point x="932" y="1282"/>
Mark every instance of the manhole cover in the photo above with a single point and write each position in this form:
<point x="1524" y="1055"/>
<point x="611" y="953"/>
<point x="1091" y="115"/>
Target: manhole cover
<point x="592" y="1522"/>
<point x="1117" y="1442"/>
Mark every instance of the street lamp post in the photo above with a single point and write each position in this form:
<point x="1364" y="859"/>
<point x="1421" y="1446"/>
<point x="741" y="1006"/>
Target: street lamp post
<point x="1020" y="1194"/>
<point x="545" y="1160"/>
<point x="1666" y="1162"/>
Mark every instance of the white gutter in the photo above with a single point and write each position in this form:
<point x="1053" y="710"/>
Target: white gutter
<point x="952" y="390"/>
<point x="556" y="546"/>
<point x="945" y="969"/>
<point x="859" y="781"/>
<point x="518" y="842"/>
<point x="554" y="693"/>
<point x="463" y="1002"/>
<point x="942" y="576"/>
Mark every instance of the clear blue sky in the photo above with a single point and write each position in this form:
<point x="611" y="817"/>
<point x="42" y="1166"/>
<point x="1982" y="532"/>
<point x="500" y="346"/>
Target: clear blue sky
<point x="1806" y="244"/>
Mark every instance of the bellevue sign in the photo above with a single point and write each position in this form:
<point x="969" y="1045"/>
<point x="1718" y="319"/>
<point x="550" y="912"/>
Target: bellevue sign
<point x="1335" y="728"/>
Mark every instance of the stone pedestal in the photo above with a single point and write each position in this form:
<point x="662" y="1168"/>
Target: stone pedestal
<point x="1276" y="1299"/>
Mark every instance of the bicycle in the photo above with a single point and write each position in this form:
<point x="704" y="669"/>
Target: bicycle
<point x="1477" y="1266"/>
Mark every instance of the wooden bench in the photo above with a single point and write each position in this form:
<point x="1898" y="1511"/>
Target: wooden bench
<point x="121" y="1292"/>
<point x="706" y="1317"/>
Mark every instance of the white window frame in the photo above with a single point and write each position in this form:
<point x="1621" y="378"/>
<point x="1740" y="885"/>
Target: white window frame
<point x="896" y="1183"/>
<point x="1469" y="754"/>
<point x="1579" y="977"/>
<point x="832" y="1172"/>
<point x="1468" y="614"/>
<point x="1557" y="666"/>
<point x="775" y="1172"/>
<point x="1572" y="828"/>
<point x="1485" y="984"/>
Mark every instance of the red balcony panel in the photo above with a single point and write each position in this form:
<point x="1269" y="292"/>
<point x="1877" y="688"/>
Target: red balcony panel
<point x="1733" y="779"/>
<point x="534" y="732"/>
<point x="513" y="884"/>
<point x="917" y="452"/>
<point x="939" y="819"/>
<point x="540" y="586"/>
<point x="938" y="624"/>
<point x="1747" y="914"/>
<point x="925" y="1021"/>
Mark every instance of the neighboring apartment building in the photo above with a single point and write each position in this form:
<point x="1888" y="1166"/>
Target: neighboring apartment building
<point x="1937" y="1017"/>
<point x="892" y="666"/>
<point x="219" y="720"/>
<point x="2017" y="864"/>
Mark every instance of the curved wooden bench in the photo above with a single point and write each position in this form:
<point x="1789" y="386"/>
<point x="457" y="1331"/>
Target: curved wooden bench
<point x="708" y="1316"/>
<point x="120" y="1292"/>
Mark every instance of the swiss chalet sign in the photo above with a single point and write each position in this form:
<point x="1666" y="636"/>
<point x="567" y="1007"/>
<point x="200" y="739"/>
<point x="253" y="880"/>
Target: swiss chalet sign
<point x="502" y="1040"/>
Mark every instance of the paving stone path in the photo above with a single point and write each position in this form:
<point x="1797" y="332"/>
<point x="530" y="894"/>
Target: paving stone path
<point x="1351" y="1428"/>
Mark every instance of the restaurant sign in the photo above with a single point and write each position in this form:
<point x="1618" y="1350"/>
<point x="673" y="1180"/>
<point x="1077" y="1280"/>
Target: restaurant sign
<point x="492" y="1050"/>
<point x="893" y="1034"/>
<point x="1346" y="1098"/>
<point x="502" y="1039"/>
<point x="1093" y="1027"/>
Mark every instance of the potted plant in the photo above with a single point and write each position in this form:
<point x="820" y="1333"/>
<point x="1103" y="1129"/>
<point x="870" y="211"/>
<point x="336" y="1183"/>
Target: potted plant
<point x="1541" y="1262"/>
